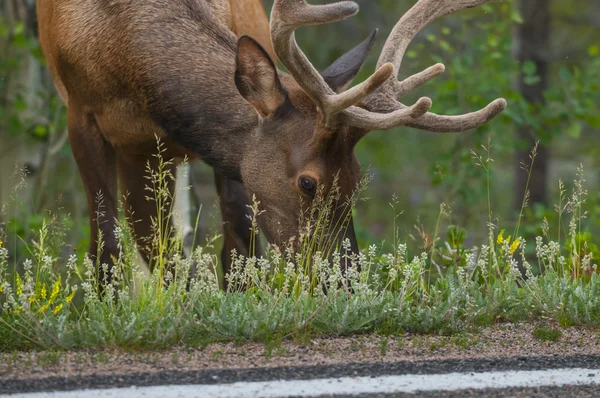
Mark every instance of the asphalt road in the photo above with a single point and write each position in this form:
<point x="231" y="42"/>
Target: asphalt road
<point x="586" y="383"/>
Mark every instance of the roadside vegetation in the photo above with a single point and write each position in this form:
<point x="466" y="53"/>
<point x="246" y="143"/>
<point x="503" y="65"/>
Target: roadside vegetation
<point x="439" y="286"/>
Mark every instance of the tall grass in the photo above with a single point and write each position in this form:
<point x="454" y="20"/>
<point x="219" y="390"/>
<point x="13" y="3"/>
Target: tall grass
<point x="319" y="289"/>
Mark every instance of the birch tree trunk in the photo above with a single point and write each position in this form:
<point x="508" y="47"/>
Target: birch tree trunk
<point x="25" y="82"/>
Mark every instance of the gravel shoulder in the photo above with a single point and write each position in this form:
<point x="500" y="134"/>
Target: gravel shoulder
<point x="497" y="342"/>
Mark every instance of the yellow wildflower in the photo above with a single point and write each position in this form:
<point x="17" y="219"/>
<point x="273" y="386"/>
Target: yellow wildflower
<point x="55" y="290"/>
<point x="43" y="308"/>
<point x="32" y="299"/>
<point x="43" y="292"/>
<point x="500" y="239"/>
<point x="515" y="245"/>
<point x="1" y="244"/>
<point x="1" y="288"/>
<point x="57" y="309"/>
<point x="70" y="297"/>
<point x="19" y="285"/>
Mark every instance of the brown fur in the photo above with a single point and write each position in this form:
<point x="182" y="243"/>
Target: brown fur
<point x="248" y="17"/>
<point x="131" y="70"/>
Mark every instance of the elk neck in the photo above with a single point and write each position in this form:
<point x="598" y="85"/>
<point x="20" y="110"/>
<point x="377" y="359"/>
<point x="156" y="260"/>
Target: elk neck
<point x="191" y="92"/>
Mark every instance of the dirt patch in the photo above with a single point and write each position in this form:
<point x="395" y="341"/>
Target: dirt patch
<point x="500" y="341"/>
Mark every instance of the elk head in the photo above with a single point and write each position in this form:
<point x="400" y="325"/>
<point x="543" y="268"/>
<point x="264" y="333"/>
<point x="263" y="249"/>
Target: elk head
<point x="310" y="123"/>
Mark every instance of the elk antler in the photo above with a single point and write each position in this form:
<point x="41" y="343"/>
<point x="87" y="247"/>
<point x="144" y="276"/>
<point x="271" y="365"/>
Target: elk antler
<point x="419" y="16"/>
<point x="380" y="93"/>
<point x="289" y="15"/>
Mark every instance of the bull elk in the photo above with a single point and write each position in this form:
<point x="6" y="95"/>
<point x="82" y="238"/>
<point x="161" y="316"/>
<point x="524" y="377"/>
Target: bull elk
<point x="132" y="70"/>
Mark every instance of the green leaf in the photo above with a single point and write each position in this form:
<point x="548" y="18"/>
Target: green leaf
<point x="529" y="68"/>
<point x="40" y="131"/>
<point x="531" y="80"/>
<point x="446" y="46"/>
<point x="575" y="130"/>
<point x="14" y="125"/>
<point x="20" y="105"/>
<point x="19" y="29"/>
<point x="564" y="73"/>
<point x="20" y="41"/>
<point x="516" y="17"/>
<point x="593" y="121"/>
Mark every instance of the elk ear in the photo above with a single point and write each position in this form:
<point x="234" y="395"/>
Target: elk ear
<point x="341" y="73"/>
<point x="256" y="77"/>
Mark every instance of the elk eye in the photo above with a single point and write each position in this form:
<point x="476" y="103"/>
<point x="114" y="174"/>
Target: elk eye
<point x="308" y="186"/>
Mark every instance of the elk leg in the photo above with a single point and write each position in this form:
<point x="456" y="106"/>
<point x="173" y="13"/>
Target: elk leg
<point x="96" y="161"/>
<point x="141" y="207"/>
<point x="237" y="226"/>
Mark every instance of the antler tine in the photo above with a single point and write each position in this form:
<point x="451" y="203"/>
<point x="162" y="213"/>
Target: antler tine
<point x="457" y="124"/>
<point x="367" y="121"/>
<point x="415" y="19"/>
<point x="450" y="124"/>
<point x="286" y="17"/>
<point x="406" y="86"/>
<point x="419" y="16"/>
<point x="289" y="15"/>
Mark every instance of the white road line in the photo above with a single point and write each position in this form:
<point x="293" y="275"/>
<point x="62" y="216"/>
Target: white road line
<point x="346" y="385"/>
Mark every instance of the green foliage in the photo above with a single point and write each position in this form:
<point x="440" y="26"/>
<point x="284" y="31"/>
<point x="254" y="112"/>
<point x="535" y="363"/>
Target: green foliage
<point x="17" y="44"/>
<point x="50" y="303"/>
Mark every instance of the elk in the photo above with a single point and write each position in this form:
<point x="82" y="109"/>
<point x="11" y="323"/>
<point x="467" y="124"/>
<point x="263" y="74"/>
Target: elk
<point x="133" y="70"/>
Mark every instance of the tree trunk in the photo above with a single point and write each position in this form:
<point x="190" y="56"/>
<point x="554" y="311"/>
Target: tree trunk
<point x="532" y="43"/>
<point x="24" y="82"/>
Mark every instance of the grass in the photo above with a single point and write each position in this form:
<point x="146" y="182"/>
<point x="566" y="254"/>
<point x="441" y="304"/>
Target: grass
<point x="53" y="303"/>
<point x="383" y="346"/>
<point x="547" y="334"/>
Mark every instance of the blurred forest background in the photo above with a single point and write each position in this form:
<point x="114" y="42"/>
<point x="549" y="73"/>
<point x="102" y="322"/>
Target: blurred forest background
<point x="543" y="56"/>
